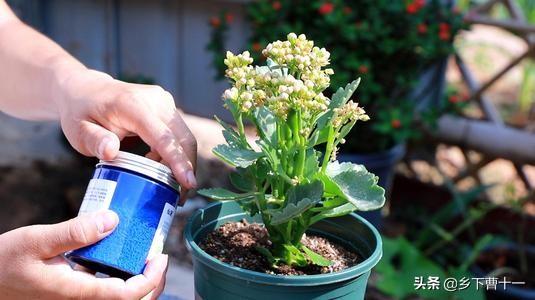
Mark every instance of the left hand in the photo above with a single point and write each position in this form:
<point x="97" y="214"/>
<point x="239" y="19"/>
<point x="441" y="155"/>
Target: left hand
<point x="97" y="111"/>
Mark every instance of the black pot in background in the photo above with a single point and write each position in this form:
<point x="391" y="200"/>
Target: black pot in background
<point x="381" y="164"/>
<point x="511" y="292"/>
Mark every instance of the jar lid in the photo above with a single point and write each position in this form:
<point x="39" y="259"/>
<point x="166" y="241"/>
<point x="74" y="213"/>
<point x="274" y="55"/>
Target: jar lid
<point x="145" y="166"/>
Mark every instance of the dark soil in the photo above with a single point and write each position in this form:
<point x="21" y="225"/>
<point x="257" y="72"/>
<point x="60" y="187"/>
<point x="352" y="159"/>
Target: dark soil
<point x="235" y="243"/>
<point x="507" y="258"/>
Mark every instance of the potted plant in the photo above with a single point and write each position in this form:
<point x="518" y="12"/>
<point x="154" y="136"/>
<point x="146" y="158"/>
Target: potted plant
<point x="306" y="243"/>
<point x="399" y="48"/>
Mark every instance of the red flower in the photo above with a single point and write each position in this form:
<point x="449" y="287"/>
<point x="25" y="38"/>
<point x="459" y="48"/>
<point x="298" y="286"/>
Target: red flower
<point x="422" y="28"/>
<point x="215" y="22"/>
<point x="347" y="10"/>
<point x="395" y="123"/>
<point x="326" y="8"/>
<point x="229" y="18"/>
<point x="444" y="27"/>
<point x="444" y="31"/>
<point x="276" y="5"/>
<point x="412" y="9"/>
<point x="444" y="35"/>
<point x="256" y="46"/>
<point x="419" y="3"/>
<point x="363" y="69"/>
<point x="453" y="99"/>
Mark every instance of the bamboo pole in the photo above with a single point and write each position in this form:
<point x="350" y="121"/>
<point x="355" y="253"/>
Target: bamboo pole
<point x="492" y="139"/>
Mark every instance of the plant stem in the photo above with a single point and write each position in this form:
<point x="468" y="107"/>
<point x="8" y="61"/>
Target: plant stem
<point x="239" y="123"/>
<point x="301" y="141"/>
<point x="328" y="149"/>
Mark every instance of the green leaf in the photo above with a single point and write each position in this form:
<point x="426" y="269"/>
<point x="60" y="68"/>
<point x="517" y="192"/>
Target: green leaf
<point x="267" y="125"/>
<point x="236" y="157"/>
<point x="312" y="191"/>
<point x="291" y="210"/>
<point x="293" y="256"/>
<point x="354" y="183"/>
<point x="311" y="163"/>
<point x="264" y="251"/>
<point x="298" y="200"/>
<point x="338" y="211"/>
<point x="222" y="194"/>
<point x="230" y="135"/>
<point x="241" y="181"/>
<point x="400" y="265"/>
<point x="316" y="258"/>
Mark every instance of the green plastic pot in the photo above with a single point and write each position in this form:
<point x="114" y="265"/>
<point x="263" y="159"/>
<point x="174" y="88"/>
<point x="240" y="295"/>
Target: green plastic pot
<point x="217" y="280"/>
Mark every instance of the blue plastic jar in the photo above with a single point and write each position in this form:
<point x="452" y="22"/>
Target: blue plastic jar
<point x="144" y="194"/>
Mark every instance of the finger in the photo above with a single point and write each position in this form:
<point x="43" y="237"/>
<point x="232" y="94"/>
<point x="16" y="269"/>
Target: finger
<point x="159" y="137"/>
<point x="152" y="154"/>
<point x="185" y="137"/>
<point x="95" y="140"/>
<point x="144" y="286"/>
<point x="155" y="267"/>
<point x="51" y="240"/>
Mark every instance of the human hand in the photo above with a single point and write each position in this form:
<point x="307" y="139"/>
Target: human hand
<point x="33" y="266"/>
<point x="98" y="111"/>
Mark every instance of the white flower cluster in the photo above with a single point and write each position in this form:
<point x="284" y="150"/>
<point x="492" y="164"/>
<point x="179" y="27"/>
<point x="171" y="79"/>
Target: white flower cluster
<point x="296" y="82"/>
<point x="351" y="111"/>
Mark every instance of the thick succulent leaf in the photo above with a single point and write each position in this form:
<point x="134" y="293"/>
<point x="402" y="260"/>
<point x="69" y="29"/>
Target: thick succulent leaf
<point x="267" y="124"/>
<point x="241" y="181"/>
<point x="316" y="258"/>
<point x="293" y="256"/>
<point x="262" y="69"/>
<point x="354" y="183"/>
<point x="337" y="211"/>
<point x="299" y="199"/>
<point x="312" y="191"/>
<point x="230" y="135"/>
<point x="222" y="194"/>
<point x="237" y="157"/>
<point x="339" y="98"/>
<point x="319" y="136"/>
<point x="311" y="163"/>
<point x="267" y="254"/>
<point x="290" y="211"/>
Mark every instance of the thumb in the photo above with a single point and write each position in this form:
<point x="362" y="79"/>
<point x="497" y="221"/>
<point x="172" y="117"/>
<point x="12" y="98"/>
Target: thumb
<point x="95" y="140"/>
<point x="84" y="230"/>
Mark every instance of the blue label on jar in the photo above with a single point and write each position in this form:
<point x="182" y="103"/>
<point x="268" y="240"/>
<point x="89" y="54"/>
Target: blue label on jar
<point x="145" y="208"/>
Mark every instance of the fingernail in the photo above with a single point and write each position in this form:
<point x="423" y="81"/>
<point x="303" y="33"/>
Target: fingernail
<point x="106" y="220"/>
<point x="190" y="177"/>
<point x="102" y="146"/>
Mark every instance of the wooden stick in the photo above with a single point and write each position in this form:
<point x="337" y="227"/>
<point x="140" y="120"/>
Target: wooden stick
<point x="492" y="139"/>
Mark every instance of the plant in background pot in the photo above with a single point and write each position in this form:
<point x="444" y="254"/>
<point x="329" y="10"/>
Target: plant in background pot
<point x="399" y="48"/>
<point x="301" y="195"/>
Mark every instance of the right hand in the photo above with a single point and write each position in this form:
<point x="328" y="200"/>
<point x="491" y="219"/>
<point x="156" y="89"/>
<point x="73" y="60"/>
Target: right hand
<point x="32" y="265"/>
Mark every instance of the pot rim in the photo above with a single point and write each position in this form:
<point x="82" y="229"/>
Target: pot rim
<point x="293" y="280"/>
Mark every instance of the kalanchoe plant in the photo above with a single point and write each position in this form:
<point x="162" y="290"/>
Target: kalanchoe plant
<point x="387" y="43"/>
<point x="284" y="176"/>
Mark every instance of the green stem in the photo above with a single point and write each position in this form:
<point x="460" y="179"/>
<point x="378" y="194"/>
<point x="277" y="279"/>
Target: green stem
<point x="301" y="141"/>
<point x="241" y="129"/>
<point x="328" y="149"/>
